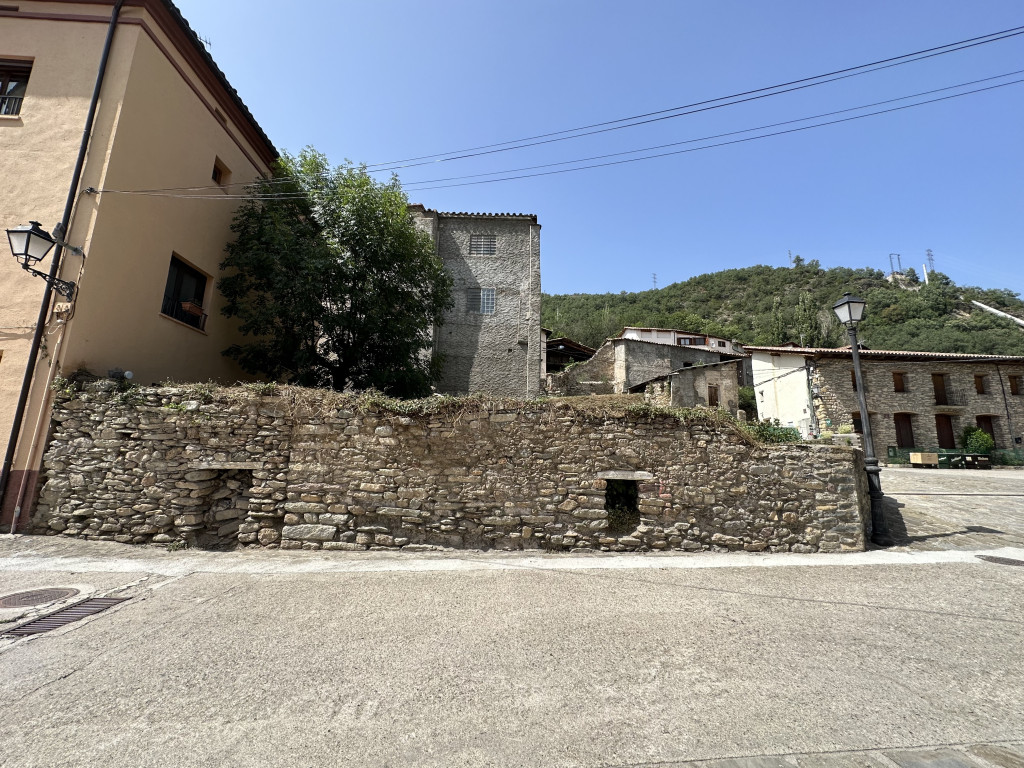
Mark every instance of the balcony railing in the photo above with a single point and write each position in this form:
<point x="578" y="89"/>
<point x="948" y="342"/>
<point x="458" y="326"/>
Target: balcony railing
<point x="10" y="105"/>
<point x="954" y="397"/>
<point x="187" y="312"/>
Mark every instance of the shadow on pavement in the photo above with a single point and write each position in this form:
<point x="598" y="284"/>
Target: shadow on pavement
<point x="901" y="536"/>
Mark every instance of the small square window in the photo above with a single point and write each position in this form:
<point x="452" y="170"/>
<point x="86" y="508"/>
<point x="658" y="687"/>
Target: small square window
<point x="221" y="174"/>
<point x="13" y="82"/>
<point x="184" y="294"/>
<point x="480" y="301"/>
<point x="483" y="245"/>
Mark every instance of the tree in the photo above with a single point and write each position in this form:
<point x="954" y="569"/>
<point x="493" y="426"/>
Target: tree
<point x="332" y="281"/>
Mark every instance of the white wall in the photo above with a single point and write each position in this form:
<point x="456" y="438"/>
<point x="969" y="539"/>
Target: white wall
<point x="781" y="387"/>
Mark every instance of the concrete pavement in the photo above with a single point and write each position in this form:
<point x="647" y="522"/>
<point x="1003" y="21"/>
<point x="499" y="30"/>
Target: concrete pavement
<point x="256" y="658"/>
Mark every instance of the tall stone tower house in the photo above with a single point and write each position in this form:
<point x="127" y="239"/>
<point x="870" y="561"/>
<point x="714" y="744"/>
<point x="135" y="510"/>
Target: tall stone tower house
<point x="491" y="338"/>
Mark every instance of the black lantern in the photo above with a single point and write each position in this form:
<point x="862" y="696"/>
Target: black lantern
<point x="849" y="309"/>
<point x="30" y="244"/>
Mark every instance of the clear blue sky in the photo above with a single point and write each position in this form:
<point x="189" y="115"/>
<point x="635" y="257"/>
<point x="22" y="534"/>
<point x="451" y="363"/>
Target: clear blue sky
<point x="384" y="80"/>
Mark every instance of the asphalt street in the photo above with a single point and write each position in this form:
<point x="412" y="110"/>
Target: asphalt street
<point x="908" y="657"/>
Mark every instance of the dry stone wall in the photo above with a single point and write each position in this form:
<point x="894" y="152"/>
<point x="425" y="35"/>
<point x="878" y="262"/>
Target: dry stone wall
<point x="349" y="475"/>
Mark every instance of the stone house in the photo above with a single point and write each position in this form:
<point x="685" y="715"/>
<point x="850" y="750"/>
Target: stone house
<point x="622" y="364"/>
<point x="491" y="339"/>
<point x="707" y="385"/>
<point x="915" y="399"/>
<point x="145" y="298"/>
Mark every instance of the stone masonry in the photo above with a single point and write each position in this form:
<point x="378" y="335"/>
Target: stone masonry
<point x="836" y="399"/>
<point x="498" y="352"/>
<point x="325" y="471"/>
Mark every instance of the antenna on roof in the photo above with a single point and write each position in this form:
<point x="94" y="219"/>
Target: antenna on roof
<point x="205" y="41"/>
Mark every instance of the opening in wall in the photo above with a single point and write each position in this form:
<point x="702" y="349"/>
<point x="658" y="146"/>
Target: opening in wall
<point x="184" y="294"/>
<point x="622" y="504"/>
<point x="13" y="83"/>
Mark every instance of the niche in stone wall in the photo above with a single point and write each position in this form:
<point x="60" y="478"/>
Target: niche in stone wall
<point x="228" y="507"/>
<point x="622" y="499"/>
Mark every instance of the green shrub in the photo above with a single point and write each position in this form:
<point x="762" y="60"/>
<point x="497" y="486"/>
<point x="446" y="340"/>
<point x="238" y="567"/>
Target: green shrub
<point x="980" y="442"/>
<point x="771" y="431"/>
<point x="748" y="402"/>
<point x="845" y="429"/>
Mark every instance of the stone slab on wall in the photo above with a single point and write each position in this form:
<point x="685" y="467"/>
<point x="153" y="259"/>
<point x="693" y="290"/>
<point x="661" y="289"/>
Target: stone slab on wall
<point x="349" y="473"/>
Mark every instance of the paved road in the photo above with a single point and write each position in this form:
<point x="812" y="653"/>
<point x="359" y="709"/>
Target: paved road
<point x="930" y="509"/>
<point x="372" y="659"/>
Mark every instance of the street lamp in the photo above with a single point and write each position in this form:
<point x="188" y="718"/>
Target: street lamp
<point x="30" y="244"/>
<point x="850" y="310"/>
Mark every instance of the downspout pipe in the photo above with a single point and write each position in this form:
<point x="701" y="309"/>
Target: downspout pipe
<point x="60" y="233"/>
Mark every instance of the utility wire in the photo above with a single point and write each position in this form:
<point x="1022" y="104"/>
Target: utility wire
<point x="720" y="144"/>
<point x="718" y="135"/>
<point x="659" y="115"/>
<point x="299" y="195"/>
<point x="872" y="67"/>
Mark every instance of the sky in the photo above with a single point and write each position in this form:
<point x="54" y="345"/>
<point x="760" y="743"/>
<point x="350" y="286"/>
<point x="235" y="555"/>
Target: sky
<point x="387" y="80"/>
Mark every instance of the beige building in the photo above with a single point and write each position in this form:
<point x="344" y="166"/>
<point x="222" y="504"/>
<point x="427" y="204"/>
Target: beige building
<point x="166" y="119"/>
<point x="917" y="400"/>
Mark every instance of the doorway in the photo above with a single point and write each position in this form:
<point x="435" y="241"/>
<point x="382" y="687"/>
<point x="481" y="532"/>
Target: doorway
<point x="944" y="430"/>
<point x="904" y="430"/>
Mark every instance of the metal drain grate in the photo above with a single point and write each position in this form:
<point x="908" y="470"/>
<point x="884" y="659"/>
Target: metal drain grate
<point x="64" y="616"/>
<point x="36" y="597"/>
<point x="999" y="560"/>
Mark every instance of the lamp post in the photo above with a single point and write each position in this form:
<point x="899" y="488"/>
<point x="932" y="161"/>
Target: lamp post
<point x="850" y="310"/>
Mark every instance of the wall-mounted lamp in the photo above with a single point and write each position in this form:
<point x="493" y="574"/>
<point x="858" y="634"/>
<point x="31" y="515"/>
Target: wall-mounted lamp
<point x="30" y="245"/>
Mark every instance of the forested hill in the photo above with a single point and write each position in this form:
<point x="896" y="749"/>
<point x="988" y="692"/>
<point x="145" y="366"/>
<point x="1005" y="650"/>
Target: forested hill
<point x="775" y="305"/>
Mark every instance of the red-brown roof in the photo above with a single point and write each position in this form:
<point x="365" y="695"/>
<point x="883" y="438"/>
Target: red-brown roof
<point x="885" y="354"/>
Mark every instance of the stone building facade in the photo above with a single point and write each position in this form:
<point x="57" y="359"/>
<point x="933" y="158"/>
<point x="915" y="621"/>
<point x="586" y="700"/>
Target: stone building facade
<point x="490" y="341"/>
<point x="622" y="364"/>
<point x="915" y="399"/>
<point x="711" y="385"/>
<point x="316" y="470"/>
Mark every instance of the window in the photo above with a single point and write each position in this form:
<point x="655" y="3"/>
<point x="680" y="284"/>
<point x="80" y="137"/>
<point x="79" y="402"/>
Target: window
<point x="480" y="301"/>
<point x="184" y="294"/>
<point x="685" y="341"/>
<point x="899" y="382"/>
<point x="13" y="81"/>
<point x="483" y="245"/>
<point x="858" y="425"/>
<point x="1015" y="387"/>
<point x="853" y="379"/>
<point x="221" y="174"/>
<point x="721" y="343"/>
<point x="979" y="385"/>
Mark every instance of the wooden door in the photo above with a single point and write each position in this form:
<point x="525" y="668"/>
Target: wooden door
<point x="944" y="428"/>
<point x="904" y="430"/>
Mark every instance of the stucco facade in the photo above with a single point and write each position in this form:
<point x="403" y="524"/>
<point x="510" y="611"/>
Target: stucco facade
<point x="166" y="119"/>
<point x="915" y="399"/>
<point x="491" y="339"/>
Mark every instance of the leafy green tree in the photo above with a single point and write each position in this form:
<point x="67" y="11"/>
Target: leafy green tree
<point x="333" y="283"/>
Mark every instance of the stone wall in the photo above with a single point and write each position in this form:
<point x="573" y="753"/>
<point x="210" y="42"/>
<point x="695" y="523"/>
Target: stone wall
<point x="627" y="363"/>
<point x="318" y="471"/>
<point x="836" y="399"/>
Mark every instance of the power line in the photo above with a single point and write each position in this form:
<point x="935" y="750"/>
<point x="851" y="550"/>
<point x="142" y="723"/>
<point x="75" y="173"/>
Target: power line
<point x="717" y="135"/>
<point x="545" y="138"/>
<point x="871" y="67"/>
<point x="720" y="144"/>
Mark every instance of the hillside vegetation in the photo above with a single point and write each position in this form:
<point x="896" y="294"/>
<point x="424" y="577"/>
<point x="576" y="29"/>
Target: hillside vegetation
<point x="775" y="305"/>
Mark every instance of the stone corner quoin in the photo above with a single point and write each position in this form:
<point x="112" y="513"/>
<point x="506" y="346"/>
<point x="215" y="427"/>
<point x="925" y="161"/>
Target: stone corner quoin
<point x="265" y="471"/>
